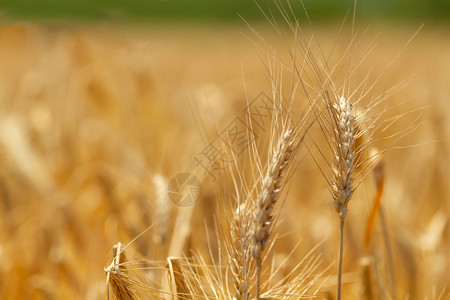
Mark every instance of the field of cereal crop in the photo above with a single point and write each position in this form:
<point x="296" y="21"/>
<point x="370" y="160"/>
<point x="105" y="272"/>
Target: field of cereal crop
<point x="97" y="121"/>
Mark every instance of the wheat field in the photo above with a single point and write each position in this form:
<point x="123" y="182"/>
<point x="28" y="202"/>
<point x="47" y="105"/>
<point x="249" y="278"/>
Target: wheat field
<point x="96" y="122"/>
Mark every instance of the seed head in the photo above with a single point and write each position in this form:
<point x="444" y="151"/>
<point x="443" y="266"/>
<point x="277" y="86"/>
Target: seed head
<point x="344" y="156"/>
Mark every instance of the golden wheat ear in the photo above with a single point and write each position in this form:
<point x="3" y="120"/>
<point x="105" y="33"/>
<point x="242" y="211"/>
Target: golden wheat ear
<point x="116" y="279"/>
<point x="240" y="254"/>
<point x="344" y="156"/>
<point x="177" y="280"/>
<point x="271" y="185"/>
<point x="131" y="276"/>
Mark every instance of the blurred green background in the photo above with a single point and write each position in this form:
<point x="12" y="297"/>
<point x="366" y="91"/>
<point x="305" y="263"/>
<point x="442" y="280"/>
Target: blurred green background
<point x="215" y="10"/>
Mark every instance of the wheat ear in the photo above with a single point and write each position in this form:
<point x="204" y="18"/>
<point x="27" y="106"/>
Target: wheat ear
<point x="240" y="240"/>
<point x="116" y="279"/>
<point x="179" y="286"/>
<point x="366" y="279"/>
<point x="162" y="211"/>
<point x="343" y="166"/>
<point x="269" y="193"/>
<point x="344" y="156"/>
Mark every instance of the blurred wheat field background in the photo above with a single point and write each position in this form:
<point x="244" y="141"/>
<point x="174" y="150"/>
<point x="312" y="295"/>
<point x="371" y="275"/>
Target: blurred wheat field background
<point x="95" y="121"/>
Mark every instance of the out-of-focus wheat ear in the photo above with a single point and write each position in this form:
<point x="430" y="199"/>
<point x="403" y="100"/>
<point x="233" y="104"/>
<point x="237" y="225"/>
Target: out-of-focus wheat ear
<point x="270" y="190"/>
<point x="343" y="165"/>
<point x="179" y="240"/>
<point x="240" y="243"/>
<point x="367" y="292"/>
<point x="116" y="280"/>
<point x="377" y="211"/>
<point x="378" y="175"/>
<point x="162" y="211"/>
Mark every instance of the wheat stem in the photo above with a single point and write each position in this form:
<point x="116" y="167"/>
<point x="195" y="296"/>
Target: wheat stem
<point x="341" y="254"/>
<point x="258" y="277"/>
<point x="390" y="261"/>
